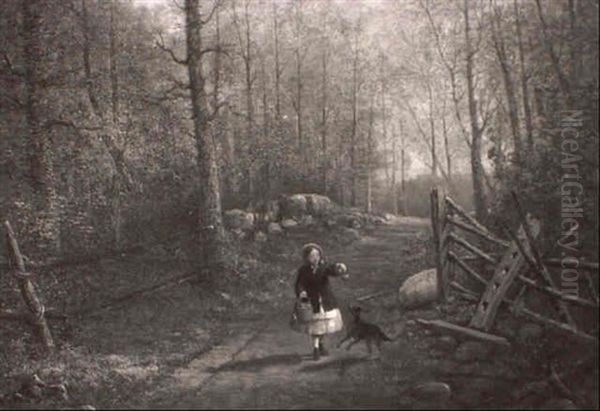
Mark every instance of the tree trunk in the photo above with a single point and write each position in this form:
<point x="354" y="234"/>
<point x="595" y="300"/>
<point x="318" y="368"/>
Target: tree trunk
<point x="114" y="83"/>
<point x="370" y="149"/>
<point x="249" y="102"/>
<point x="108" y="134"/>
<point x="266" y="183"/>
<point x="434" y="162"/>
<point x="402" y="171"/>
<point x="446" y="145"/>
<point x="298" y="102"/>
<point x="277" y="68"/>
<point x="524" y="88"/>
<point x="40" y="152"/>
<point x="114" y="78"/>
<point x="562" y="79"/>
<point x="210" y="219"/>
<point x="509" y="87"/>
<point x="476" y="163"/>
<point x="354" y="126"/>
<point x="325" y="157"/>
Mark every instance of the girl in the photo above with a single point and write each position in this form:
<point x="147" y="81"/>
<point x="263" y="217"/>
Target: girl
<point x="312" y="284"/>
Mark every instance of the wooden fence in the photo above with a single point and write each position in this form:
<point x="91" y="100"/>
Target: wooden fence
<point x="460" y="240"/>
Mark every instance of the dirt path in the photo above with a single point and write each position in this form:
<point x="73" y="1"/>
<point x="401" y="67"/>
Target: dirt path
<point x="266" y="364"/>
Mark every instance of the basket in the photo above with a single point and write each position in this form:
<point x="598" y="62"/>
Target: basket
<point x="304" y="311"/>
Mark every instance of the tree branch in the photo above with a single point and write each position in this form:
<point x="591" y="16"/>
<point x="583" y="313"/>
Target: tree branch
<point x="161" y="45"/>
<point x="212" y="12"/>
<point x="11" y="68"/>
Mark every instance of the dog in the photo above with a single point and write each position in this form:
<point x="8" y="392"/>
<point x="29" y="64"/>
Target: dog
<point x="360" y="330"/>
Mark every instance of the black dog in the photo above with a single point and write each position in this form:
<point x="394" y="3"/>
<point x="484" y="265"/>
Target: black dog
<point x="361" y="330"/>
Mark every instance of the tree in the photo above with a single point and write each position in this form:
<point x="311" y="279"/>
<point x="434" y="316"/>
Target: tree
<point x="42" y="173"/>
<point x="210" y="220"/>
<point x="477" y="172"/>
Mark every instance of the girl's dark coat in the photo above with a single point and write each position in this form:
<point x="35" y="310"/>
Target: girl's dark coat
<point x="317" y="285"/>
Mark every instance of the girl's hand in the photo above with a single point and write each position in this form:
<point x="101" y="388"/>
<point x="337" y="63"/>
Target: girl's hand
<point x="342" y="270"/>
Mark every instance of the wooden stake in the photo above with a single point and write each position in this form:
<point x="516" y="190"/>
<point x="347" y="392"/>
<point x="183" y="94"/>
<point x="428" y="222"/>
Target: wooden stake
<point x="469" y="247"/>
<point x="466" y="268"/>
<point x="27" y="288"/>
<point x="446" y="326"/>
<point x="541" y="268"/>
<point x="481" y="229"/>
<point x="477" y="232"/>
<point x="504" y="274"/>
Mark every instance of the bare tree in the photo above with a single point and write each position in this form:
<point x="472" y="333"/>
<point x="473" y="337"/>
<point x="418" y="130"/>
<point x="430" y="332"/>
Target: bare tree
<point x="509" y="86"/>
<point x="42" y="172"/>
<point x="477" y="171"/>
<point x="210" y="223"/>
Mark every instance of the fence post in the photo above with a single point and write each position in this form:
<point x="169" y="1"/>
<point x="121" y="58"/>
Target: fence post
<point x="436" y="228"/>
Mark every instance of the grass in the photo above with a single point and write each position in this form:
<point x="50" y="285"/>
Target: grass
<point x="117" y="356"/>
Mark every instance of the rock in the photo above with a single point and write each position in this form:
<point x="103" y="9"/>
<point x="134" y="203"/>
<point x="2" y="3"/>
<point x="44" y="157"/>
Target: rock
<point x="330" y="222"/>
<point x="378" y="220"/>
<point x="271" y="210"/>
<point x="470" y="351"/>
<point x="318" y="205"/>
<point x="158" y="251"/>
<point x="289" y="223"/>
<point x="348" y="235"/>
<point x="307" y="220"/>
<point x="431" y="391"/>
<point x="388" y="216"/>
<point x="418" y="289"/>
<point x="350" y="220"/>
<point x="445" y="343"/>
<point x="530" y="332"/>
<point x="293" y="206"/>
<point x="238" y="233"/>
<point x="356" y="224"/>
<point x="559" y="404"/>
<point x="238" y="219"/>
<point x="274" y="228"/>
<point x="260" y="237"/>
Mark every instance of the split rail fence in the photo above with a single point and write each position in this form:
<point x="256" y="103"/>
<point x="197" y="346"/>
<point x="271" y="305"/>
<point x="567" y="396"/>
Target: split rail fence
<point x="466" y="252"/>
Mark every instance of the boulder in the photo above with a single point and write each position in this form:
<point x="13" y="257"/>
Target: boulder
<point x="377" y="220"/>
<point x="350" y="220"/>
<point x="318" y="205"/>
<point x="348" y="235"/>
<point x="530" y="332"/>
<point x="293" y="206"/>
<point x="388" y="216"/>
<point x="307" y="220"/>
<point x="271" y="212"/>
<point x="274" y="228"/>
<point x="559" y="404"/>
<point x="470" y="351"/>
<point x="330" y="222"/>
<point x="445" y="343"/>
<point x="418" y="289"/>
<point x="237" y="219"/>
<point x="238" y="233"/>
<point x="260" y="237"/>
<point x="289" y="223"/>
<point x="431" y="391"/>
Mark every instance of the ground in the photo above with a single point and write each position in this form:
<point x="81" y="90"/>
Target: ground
<point x="220" y="352"/>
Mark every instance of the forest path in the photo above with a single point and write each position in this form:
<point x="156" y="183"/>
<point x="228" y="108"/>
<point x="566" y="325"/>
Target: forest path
<point x="265" y="364"/>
